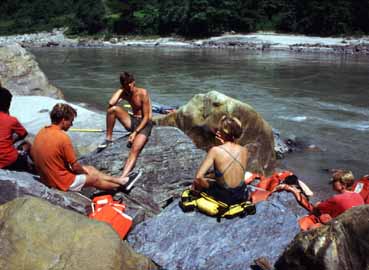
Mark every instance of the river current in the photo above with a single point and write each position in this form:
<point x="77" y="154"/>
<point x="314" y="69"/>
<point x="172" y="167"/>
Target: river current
<point x="317" y="98"/>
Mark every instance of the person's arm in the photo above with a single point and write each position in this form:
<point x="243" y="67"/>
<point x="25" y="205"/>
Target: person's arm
<point x="18" y="131"/>
<point x="77" y="168"/>
<point x="115" y="98"/>
<point x="71" y="159"/>
<point x="201" y="181"/>
<point x="300" y="198"/>
<point x="147" y="115"/>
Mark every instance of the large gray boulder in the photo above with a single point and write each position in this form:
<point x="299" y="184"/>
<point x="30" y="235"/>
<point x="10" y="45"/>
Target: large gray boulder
<point x="18" y="184"/>
<point x="21" y="74"/>
<point x="38" y="235"/>
<point x="200" y="117"/>
<point x="343" y="244"/>
<point x="189" y="241"/>
<point x="169" y="162"/>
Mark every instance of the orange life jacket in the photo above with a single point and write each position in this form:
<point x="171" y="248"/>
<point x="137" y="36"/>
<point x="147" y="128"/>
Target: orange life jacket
<point x="266" y="184"/>
<point x="106" y="210"/>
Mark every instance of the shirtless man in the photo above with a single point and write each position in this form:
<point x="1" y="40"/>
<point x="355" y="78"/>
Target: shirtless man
<point x="139" y="123"/>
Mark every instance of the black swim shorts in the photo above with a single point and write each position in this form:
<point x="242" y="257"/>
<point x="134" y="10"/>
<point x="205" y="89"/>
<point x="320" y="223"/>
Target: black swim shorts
<point x="135" y="122"/>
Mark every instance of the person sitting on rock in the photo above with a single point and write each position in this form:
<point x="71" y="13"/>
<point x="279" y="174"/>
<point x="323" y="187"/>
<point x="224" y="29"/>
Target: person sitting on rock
<point x="229" y="161"/>
<point x="11" y="132"/>
<point x="56" y="162"/>
<point x="139" y="123"/>
<point x="324" y="211"/>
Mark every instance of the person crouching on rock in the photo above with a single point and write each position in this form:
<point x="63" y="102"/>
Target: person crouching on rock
<point x="56" y="161"/>
<point x="229" y="161"/>
<point x="11" y="132"/>
<point x="139" y="123"/>
<point x="324" y="211"/>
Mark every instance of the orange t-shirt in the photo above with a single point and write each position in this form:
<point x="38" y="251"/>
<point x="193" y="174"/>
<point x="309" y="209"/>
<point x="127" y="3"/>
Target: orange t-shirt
<point x="53" y="153"/>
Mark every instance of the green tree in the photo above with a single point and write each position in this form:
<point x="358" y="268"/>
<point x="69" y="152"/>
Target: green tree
<point x="88" y="17"/>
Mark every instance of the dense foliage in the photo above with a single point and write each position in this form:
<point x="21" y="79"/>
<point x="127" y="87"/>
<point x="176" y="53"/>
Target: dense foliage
<point x="186" y="17"/>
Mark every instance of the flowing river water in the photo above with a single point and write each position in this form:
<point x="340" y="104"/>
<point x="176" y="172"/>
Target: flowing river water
<point x="320" y="99"/>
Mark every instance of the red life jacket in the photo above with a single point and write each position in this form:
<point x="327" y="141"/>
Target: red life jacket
<point x="361" y="186"/>
<point x="266" y="184"/>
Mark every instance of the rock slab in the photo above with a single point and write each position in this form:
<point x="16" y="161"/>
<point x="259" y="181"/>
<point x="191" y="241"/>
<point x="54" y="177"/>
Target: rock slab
<point x="169" y="162"/>
<point x="18" y="184"/>
<point x="189" y="241"/>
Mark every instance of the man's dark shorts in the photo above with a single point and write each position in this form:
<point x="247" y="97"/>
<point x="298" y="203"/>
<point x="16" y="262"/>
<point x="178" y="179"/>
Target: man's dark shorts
<point x="21" y="164"/>
<point x="135" y="122"/>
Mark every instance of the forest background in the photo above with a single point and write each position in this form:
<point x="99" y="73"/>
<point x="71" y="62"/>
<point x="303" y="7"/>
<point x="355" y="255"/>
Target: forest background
<point x="188" y="18"/>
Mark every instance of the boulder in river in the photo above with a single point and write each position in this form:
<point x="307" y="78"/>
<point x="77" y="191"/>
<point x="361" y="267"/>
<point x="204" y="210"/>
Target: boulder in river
<point x="21" y="74"/>
<point x="199" y="119"/>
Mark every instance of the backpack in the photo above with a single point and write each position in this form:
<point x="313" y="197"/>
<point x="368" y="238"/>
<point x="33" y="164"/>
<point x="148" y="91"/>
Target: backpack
<point x="207" y="205"/>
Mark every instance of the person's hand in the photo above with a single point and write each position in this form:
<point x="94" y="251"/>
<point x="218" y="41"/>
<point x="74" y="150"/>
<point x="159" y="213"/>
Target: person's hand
<point x="132" y="137"/>
<point x="219" y="137"/>
<point x="285" y="187"/>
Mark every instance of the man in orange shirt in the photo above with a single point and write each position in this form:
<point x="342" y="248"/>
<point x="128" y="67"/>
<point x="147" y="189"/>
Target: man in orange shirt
<point x="56" y="161"/>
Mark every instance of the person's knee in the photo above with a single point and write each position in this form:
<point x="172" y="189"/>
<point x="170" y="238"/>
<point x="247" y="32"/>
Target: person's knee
<point x="90" y="169"/>
<point x="111" y="110"/>
<point x="91" y="179"/>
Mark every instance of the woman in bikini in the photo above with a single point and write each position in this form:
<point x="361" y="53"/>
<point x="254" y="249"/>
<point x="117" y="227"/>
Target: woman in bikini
<point x="229" y="160"/>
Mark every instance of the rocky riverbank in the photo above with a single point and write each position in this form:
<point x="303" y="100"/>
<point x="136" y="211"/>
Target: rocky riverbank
<point x="261" y="41"/>
<point x="32" y="232"/>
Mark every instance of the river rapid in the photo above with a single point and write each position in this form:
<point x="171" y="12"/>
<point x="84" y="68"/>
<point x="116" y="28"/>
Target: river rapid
<point x="320" y="99"/>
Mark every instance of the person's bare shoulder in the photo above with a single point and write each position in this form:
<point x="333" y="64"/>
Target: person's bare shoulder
<point x="143" y="92"/>
<point x="214" y="150"/>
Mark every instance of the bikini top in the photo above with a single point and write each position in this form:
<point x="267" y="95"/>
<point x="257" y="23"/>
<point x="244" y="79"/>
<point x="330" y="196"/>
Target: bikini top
<point x="234" y="159"/>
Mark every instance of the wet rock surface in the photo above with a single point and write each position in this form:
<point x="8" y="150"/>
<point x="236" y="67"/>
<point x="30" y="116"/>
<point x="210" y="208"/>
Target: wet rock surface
<point x="199" y="119"/>
<point x="341" y="245"/>
<point x="177" y="240"/>
<point x="38" y="235"/>
<point x="21" y="74"/>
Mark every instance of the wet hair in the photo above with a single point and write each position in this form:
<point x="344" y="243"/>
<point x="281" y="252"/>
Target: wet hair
<point x="5" y="99"/>
<point x="126" y="78"/>
<point x="231" y="127"/>
<point x="344" y="176"/>
<point x="62" y="111"/>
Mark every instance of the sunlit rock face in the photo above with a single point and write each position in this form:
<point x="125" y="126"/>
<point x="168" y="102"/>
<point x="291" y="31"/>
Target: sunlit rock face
<point x="21" y="74"/>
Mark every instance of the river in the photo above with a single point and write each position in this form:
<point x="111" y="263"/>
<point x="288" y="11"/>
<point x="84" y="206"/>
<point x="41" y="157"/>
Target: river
<point x="320" y="99"/>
